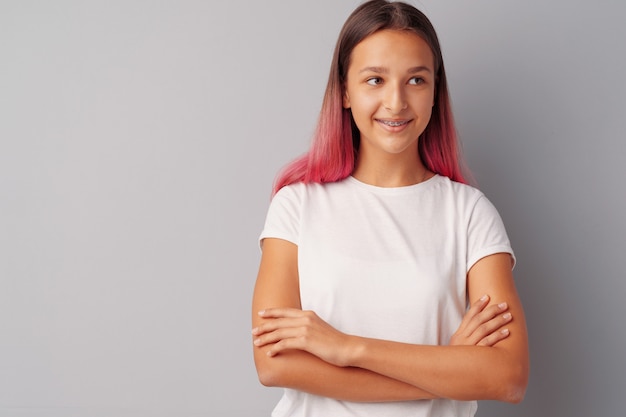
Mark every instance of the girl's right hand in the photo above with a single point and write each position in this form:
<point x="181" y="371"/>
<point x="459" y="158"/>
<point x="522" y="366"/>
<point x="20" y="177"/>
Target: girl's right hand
<point x="482" y="325"/>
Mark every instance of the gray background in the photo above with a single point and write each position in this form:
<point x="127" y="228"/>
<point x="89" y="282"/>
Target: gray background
<point x="138" y="143"/>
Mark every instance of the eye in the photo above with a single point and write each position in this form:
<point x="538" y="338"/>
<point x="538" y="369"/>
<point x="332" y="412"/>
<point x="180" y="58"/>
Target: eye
<point x="374" y="81"/>
<point x="417" y="81"/>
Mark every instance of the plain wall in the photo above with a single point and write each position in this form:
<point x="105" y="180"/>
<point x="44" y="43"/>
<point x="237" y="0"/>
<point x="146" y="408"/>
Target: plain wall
<point x="138" y="144"/>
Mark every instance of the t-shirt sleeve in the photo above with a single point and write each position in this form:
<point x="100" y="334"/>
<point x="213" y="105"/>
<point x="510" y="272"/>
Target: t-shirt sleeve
<point x="486" y="233"/>
<point x="283" y="216"/>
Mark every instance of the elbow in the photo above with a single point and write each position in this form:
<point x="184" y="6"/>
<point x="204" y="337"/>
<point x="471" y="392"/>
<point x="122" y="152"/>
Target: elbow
<point x="513" y="389"/>
<point x="515" y="394"/>
<point x="268" y="372"/>
<point x="267" y="377"/>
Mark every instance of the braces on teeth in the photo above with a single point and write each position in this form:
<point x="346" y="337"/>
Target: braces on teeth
<point x="393" y="123"/>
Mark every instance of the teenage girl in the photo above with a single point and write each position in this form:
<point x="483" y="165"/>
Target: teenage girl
<point x="385" y="286"/>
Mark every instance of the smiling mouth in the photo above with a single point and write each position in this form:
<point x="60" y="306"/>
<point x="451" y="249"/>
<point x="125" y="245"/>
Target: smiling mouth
<point x="393" y="123"/>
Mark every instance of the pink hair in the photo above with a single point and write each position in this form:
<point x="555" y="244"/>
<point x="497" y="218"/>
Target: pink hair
<point x="331" y="157"/>
<point x="335" y="143"/>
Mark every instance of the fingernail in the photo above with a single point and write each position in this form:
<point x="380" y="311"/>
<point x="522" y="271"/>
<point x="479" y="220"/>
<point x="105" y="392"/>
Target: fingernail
<point x="483" y="298"/>
<point x="504" y="331"/>
<point x="502" y="306"/>
<point x="256" y="329"/>
<point x="507" y="316"/>
<point x="260" y="313"/>
<point x="257" y="341"/>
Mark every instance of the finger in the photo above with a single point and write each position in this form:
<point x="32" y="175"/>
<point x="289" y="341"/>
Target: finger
<point x="276" y="336"/>
<point x="491" y="327"/>
<point x="275" y="324"/>
<point x="281" y="312"/>
<point x="476" y="307"/>
<point x="285" y="344"/>
<point x="487" y="314"/>
<point x="494" y="338"/>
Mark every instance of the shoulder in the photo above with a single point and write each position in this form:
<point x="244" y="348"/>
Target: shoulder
<point x="464" y="194"/>
<point x="467" y="202"/>
<point x="289" y="192"/>
<point x="300" y="191"/>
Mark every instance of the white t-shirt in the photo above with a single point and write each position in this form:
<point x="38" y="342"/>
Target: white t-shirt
<point x="387" y="263"/>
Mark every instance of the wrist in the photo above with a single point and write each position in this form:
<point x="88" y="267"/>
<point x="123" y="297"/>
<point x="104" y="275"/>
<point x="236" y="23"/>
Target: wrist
<point x="354" y="350"/>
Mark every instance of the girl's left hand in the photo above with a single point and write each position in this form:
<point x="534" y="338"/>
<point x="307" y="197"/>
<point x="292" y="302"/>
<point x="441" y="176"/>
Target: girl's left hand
<point x="291" y="328"/>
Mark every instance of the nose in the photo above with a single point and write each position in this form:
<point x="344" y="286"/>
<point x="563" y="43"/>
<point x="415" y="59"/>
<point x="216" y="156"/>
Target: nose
<point x="394" y="101"/>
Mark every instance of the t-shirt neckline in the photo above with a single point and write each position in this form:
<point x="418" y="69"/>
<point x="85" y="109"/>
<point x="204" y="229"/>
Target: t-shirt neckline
<point x="394" y="190"/>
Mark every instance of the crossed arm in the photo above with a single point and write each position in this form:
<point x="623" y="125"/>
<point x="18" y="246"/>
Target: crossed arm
<point x="487" y="357"/>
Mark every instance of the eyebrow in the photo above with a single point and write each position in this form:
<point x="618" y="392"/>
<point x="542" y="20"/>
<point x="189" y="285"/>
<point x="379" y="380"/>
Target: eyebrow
<point x="383" y="70"/>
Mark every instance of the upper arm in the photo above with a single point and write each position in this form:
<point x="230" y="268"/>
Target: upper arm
<point x="277" y="285"/>
<point x="492" y="275"/>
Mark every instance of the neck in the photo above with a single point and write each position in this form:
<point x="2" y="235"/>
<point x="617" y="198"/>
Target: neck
<point x="391" y="171"/>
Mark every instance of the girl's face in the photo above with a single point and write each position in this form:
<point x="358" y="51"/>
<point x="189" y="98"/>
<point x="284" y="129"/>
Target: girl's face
<point x="390" y="89"/>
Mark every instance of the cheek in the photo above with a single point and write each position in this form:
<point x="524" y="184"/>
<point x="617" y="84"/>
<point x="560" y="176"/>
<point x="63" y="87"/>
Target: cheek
<point x="427" y="111"/>
<point x="363" y="105"/>
<point x="424" y="106"/>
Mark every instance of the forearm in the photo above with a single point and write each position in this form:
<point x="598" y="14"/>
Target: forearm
<point x="456" y="372"/>
<point x="305" y="372"/>
<point x="277" y="286"/>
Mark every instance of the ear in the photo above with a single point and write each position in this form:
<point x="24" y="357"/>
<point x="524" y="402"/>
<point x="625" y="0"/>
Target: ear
<point x="346" y="100"/>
